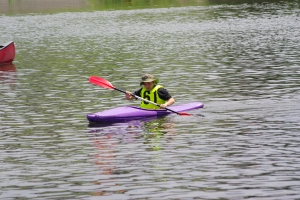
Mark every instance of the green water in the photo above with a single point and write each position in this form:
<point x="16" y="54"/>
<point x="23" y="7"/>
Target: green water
<point x="34" y="6"/>
<point x="46" y="6"/>
<point x="240" y="58"/>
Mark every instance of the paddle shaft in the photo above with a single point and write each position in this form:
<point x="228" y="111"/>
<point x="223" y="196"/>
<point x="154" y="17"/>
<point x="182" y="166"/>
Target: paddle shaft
<point x="140" y="98"/>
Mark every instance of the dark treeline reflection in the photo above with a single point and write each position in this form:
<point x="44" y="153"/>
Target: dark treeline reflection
<point x="99" y="4"/>
<point x="46" y="6"/>
<point x="212" y="2"/>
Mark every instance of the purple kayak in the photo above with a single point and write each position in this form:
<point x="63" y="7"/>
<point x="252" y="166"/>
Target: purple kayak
<point x="128" y="113"/>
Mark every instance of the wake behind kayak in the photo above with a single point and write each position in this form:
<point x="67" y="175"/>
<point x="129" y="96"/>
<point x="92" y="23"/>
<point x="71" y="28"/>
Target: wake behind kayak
<point x="127" y="113"/>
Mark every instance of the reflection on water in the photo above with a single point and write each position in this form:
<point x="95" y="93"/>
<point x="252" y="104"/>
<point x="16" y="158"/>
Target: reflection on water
<point x="37" y="6"/>
<point x="10" y="67"/>
<point x="146" y="128"/>
<point x="107" y="139"/>
<point x="8" y="74"/>
<point x="29" y="6"/>
<point x="138" y="4"/>
<point x="10" y="7"/>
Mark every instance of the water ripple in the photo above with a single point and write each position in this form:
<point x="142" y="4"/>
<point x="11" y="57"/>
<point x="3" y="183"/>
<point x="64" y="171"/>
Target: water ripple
<point x="240" y="60"/>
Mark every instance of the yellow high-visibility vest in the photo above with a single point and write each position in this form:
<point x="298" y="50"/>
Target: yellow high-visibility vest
<point x="153" y="96"/>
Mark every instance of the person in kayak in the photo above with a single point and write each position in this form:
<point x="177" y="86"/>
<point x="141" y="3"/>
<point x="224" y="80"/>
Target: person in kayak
<point x="151" y="91"/>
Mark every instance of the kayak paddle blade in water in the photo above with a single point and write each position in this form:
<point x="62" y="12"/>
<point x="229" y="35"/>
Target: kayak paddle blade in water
<point x="182" y="114"/>
<point x="106" y="84"/>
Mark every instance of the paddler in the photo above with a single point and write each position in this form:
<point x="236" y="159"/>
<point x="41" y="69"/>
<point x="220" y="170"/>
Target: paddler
<point x="151" y="91"/>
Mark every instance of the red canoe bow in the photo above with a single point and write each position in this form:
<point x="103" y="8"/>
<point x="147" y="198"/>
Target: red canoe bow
<point x="7" y="52"/>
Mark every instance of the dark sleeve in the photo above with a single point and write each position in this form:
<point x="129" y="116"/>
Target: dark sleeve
<point x="138" y="92"/>
<point x="164" y="94"/>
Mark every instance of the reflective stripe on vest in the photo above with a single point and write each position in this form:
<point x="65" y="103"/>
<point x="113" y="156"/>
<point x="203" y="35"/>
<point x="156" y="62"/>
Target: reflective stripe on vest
<point x="153" y="96"/>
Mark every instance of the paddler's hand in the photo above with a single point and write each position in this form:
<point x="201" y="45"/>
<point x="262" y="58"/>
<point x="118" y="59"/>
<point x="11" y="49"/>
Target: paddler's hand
<point x="128" y="95"/>
<point x="163" y="106"/>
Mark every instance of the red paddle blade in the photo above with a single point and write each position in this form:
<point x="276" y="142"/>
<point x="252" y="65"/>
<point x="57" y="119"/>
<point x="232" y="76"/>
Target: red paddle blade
<point x="101" y="82"/>
<point x="183" y="114"/>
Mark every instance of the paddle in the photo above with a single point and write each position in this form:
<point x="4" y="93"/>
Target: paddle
<point x="106" y="84"/>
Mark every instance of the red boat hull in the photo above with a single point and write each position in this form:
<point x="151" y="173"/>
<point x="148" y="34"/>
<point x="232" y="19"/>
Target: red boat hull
<point x="7" y="52"/>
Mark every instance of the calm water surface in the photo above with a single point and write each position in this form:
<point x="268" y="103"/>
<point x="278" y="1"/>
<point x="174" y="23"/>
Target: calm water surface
<point x="241" y="61"/>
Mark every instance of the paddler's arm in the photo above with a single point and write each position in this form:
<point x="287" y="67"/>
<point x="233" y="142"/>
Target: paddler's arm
<point x="168" y="103"/>
<point x="165" y="95"/>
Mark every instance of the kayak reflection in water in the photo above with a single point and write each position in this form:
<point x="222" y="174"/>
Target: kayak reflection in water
<point x="151" y="91"/>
